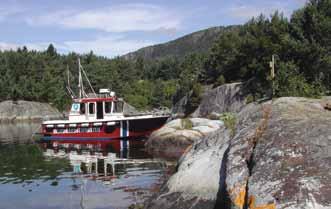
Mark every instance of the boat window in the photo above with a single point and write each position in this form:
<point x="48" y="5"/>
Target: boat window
<point x="91" y="108"/>
<point x="71" y="130"/>
<point x="60" y="130"/>
<point x="82" y="108"/>
<point x="107" y="107"/>
<point x="83" y="129"/>
<point x="96" y="129"/>
<point x="118" y="107"/>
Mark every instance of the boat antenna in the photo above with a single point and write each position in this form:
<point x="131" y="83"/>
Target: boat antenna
<point x="71" y="93"/>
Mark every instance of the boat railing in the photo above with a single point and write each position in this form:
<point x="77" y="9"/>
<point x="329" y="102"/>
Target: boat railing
<point x="163" y="111"/>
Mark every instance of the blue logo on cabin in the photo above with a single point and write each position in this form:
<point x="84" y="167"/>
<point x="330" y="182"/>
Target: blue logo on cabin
<point x="75" y="107"/>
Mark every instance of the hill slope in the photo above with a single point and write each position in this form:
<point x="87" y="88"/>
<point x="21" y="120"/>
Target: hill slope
<point x="199" y="41"/>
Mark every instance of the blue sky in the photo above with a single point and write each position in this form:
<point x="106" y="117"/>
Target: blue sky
<point x="116" y="27"/>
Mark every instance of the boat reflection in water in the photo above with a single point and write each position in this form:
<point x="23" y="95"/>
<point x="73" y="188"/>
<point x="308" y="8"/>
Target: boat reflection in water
<point x="122" y="165"/>
<point x="99" y="158"/>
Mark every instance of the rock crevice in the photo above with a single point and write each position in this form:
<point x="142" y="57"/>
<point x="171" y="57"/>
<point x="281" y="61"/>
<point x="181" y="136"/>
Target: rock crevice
<point x="248" y="203"/>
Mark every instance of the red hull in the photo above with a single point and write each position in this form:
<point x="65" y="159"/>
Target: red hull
<point x="118" y="130"/>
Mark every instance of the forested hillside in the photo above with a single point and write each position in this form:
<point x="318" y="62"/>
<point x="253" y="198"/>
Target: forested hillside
<point x="197" y="42"/>
<point x="301" y="45"/>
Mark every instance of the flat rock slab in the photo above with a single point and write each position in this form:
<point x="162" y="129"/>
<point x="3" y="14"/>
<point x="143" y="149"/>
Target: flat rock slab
<point x="292" y="159"/>
<point x="173" y="138"/>
<point x="280" y="157"/>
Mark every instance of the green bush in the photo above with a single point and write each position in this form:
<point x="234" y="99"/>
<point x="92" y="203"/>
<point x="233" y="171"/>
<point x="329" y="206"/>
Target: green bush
<point x="220" y="81"/>
<point x="229" y="120"/>
<point x="186" y="123"/>
<point x="289" y="82"/>
<point x="249" y="99"/>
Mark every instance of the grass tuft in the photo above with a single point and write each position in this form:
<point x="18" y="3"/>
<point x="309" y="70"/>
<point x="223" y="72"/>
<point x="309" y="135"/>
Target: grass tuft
<point x="186" y="123"/>
<point x="229" y="120"/>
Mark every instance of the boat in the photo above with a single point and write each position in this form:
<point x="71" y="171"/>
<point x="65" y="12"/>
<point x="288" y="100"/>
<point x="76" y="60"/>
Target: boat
<point x="100" y="116"/>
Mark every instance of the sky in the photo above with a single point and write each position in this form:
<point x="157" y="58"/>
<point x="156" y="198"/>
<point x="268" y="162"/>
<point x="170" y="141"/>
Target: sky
<point x="115" y="27"/>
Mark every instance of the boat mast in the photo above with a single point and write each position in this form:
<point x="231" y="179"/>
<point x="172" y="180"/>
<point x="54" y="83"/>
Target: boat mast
<point x="82" y="92"/>
<point x="88" y="81"/>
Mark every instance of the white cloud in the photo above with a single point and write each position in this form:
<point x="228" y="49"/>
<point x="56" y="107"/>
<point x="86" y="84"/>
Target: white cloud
<point x="109" y="46"/>
<point x="245" y="11"/>
<point x="119" y="18"/>
<point x="4" y="46"/>
<point x="7" y="46"/>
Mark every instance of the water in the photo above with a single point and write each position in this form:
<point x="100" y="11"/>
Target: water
<point x="49" y="175"/>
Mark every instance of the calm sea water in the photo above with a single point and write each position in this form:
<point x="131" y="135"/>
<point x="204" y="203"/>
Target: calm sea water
<point x="47" y="175"/>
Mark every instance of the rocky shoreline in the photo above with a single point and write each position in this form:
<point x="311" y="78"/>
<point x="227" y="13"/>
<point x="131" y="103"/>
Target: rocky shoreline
<point x="27" y="111"/>
<point x="279" y="157"/>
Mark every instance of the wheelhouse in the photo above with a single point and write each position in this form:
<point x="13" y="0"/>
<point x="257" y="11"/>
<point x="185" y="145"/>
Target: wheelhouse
<point x="104" y="106"/>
